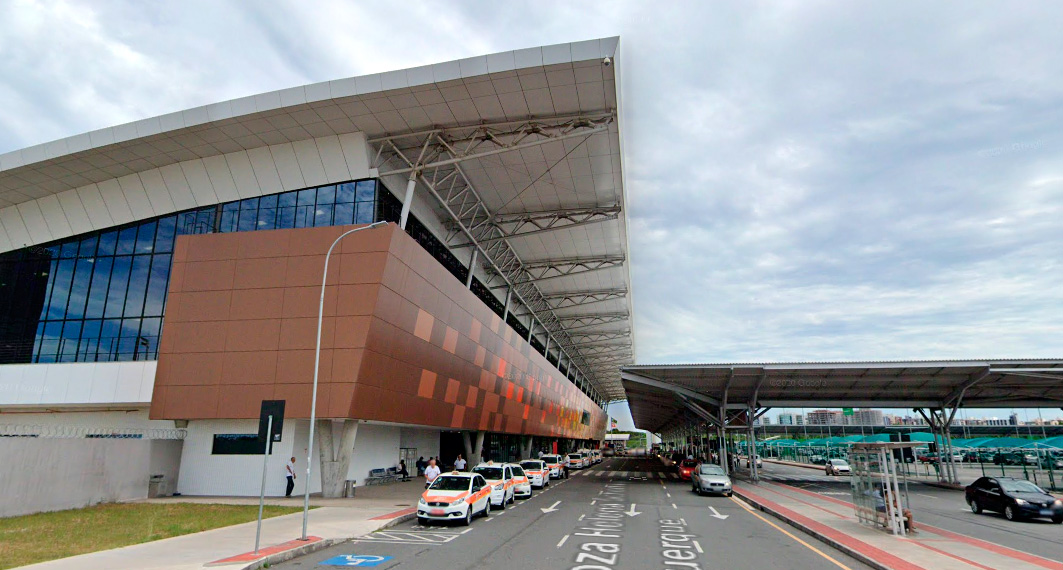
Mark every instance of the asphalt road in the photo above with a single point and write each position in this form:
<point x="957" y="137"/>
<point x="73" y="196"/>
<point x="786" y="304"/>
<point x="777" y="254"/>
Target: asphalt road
<point x="624" y="513"/>
<point x="943" y="508"/>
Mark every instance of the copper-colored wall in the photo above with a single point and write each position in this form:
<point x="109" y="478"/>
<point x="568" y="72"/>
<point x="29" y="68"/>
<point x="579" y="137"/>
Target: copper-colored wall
<point x="403" y="340"/>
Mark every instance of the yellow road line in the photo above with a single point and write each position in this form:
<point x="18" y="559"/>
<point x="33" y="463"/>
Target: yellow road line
<point x="787" y="533"/>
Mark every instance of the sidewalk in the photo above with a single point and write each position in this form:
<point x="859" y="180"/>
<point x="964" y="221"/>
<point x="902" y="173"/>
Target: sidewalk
<point x="334" y="520"/>
<point x="834" y="522"/>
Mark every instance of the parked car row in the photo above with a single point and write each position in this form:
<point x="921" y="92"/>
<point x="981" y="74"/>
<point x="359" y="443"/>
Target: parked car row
<point x="461" y="496"/>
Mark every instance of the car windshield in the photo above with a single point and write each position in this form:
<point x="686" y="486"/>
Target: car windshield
<point x="712" y="470"/>
<point x="689" y="463"/>
<point x="488" y="472"/>
<point x="1020" y="487"/>
<point x="531" y="465"/>
<point x="573" y="456"/>
<point x="839" y="462"/>
<point x="550" y="459"/>
<point x="450" y="483"/>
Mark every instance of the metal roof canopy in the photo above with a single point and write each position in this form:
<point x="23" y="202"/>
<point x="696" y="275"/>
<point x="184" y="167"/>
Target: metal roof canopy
<point x="663" y="396"/>
<point x="521" y="152"/>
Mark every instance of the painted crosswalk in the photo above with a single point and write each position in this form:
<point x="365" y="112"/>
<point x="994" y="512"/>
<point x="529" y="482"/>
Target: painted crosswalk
<point x="603" y="473"/>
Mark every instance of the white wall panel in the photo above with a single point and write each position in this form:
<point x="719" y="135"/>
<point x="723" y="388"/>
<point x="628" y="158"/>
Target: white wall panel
<point x="115" y="201"/>
<point x="287" y="166"/>
<point x="310" y="163"/>
<point x="15" y="227"/>
<point x="265" y="171"/>
<point x="332" y="159"/>
<point x="75" y="212"/>
<point x="221" y="178"/>
<point x="34" y="219"/>
<point x="78" y="384"/>
<point x="356" y="151"/>
<point x="54" y="216"/>
<point x="95" y="206"/>
<point x="177" y="186"/>
<point x="199" y="182"/>
<point x="243" y="174"/>
<point x="5" y="242"/>
<point x="158" y="194"/>
<point x="136" y="197"/>
<point x="375" y="447"/>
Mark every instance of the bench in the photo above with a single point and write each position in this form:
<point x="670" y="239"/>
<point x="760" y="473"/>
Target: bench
<point x="382" y="475"/>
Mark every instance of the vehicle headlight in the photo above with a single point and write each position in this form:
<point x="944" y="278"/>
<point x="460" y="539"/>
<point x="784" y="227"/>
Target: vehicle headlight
<point x="1021" y="502"/>
<point x="1058" y="503"/>
<point x="422" y="502"/>
<point x="458" y="502"/>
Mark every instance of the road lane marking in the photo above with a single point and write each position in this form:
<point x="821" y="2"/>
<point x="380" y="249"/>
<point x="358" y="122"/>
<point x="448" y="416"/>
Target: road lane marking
<point x="698" y="547"/>
<point x="581" y="517"/>
<point x="675" y="507"/>
<point x="559" y="544"/>
<point x="780" y="529"/>
<point x="669" y="494"/>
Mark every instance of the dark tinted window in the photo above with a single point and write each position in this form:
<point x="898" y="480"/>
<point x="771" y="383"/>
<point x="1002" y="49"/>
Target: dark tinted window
<point x="236" y="444"/>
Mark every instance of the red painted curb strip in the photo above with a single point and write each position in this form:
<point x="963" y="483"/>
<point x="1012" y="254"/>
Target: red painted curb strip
<point x="264" y="552"/>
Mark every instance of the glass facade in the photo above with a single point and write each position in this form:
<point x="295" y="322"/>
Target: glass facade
<point x="101" y="296"/>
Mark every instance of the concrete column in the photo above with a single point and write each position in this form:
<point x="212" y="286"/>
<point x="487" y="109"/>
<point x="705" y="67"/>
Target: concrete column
<point x="473" y="447"/>
<point x="335" y="460"/>
<point x="525" y="448"/>
<point x="472" y="267"/>
<point x="407" y="201"/>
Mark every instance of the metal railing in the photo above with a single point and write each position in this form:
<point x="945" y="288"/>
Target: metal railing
<point x="89" y="432"/>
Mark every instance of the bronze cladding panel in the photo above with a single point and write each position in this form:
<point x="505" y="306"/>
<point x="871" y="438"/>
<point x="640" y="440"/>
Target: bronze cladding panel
<point x="402" y="340"/>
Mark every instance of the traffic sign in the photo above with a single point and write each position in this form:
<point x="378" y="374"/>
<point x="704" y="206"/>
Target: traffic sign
<point x="847" y="411"/>
<point x="355" y="560"/>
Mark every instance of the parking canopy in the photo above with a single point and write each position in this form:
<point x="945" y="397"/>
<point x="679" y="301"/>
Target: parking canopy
<point x="662" y="396"/>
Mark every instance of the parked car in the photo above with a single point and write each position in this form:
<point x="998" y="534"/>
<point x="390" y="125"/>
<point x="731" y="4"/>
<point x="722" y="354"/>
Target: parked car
<point x="1015" y="498"/>
<point x="760" y="462"/>
<point x="710" y="478"/>
<point x="817" y="460"/>
<point x="838" y="467"/>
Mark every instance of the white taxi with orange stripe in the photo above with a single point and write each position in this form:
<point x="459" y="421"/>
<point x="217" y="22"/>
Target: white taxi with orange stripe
<point x="499" y="477"/>
<point x="522" y="487"/>
<point x="537" y="471"/>
<point x="455" y="496"/>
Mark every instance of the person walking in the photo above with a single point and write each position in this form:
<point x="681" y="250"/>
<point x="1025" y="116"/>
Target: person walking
<point x="459" y="463"/>
<point x="420" y="464"/>
<point x="402" y="470"/>
<point x="430" y="473"/>
<point x="289" y="474"/>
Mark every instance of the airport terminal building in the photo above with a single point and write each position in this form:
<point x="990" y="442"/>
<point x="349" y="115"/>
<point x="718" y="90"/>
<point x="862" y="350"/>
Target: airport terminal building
<point x="160" y="279"/>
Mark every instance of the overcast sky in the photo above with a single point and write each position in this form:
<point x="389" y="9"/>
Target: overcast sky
<point x="806" y="180"/>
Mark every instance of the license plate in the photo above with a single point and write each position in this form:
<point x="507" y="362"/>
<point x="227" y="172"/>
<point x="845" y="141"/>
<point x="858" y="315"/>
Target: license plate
<point x="436" y="512"/>
<point x="1046" y="512"/>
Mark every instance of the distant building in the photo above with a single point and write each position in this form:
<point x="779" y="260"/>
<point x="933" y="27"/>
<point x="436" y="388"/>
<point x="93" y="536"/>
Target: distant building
<point x="825" y="418"/>
<point x="867" y="418"/>
<point x="791" y="419"/>
<point x="1013" y="419"/>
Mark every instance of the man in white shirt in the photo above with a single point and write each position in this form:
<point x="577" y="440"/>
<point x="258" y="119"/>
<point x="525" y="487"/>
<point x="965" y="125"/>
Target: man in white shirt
<point x="540" y="454"/>
<point x="459" y="463"/>
<point x="430" y="473"/>
<point x="289" y="473"/>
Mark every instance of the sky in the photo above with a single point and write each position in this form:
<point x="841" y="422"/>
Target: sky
<point x="817" y="180"/>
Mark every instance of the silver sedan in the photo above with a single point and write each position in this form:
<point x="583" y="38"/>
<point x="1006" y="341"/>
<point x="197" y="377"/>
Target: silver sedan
<point x="709" y="478"/>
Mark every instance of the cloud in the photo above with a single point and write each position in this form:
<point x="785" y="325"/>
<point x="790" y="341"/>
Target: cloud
<point x="818" y="181"/>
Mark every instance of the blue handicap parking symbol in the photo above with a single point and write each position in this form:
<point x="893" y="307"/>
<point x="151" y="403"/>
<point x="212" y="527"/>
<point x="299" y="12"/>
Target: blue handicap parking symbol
<point x="355" y="560"/>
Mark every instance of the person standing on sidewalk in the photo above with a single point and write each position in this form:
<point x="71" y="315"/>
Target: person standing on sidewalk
<point x="430" y="473"/>
<point x="459" y="463"/>
<point x="289" y="474"/>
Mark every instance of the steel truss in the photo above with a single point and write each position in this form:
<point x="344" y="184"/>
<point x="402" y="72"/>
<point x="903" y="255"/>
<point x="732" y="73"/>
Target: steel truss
<point x="531" y="223"/>
<point x="434" y="158"/>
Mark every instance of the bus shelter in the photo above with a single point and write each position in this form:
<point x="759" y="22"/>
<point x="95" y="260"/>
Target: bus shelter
<point x="879" y="487"/>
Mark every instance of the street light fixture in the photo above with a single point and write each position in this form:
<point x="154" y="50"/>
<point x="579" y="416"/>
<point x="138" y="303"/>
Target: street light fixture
<point x="317" y="365"/>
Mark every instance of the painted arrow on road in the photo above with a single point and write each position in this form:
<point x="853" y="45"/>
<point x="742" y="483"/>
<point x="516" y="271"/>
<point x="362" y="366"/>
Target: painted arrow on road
<point x="632" y="512"/>
<point x="717" y="514"/>
<point x="552" y="508"/>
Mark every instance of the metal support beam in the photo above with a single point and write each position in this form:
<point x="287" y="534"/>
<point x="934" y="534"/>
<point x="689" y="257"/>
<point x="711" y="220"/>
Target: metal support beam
<point x="472" y="268"/>
<point x="531" y="223"/>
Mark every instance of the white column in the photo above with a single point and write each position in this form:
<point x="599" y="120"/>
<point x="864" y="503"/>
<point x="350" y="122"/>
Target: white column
<point x="408" y="200"/>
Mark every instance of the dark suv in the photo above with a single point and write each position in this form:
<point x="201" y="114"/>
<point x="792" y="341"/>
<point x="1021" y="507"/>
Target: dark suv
<point x="1015" y="498"/>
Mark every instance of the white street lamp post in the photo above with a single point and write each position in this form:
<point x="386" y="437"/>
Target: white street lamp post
<point x="317" y="365"/>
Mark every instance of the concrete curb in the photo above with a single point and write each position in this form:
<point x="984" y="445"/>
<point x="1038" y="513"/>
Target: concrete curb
<point x="824" y="539"/>
<point x="319" y="545"/>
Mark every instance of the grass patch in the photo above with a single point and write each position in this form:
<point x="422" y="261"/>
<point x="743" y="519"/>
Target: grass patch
<point x="47" y="536"/>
